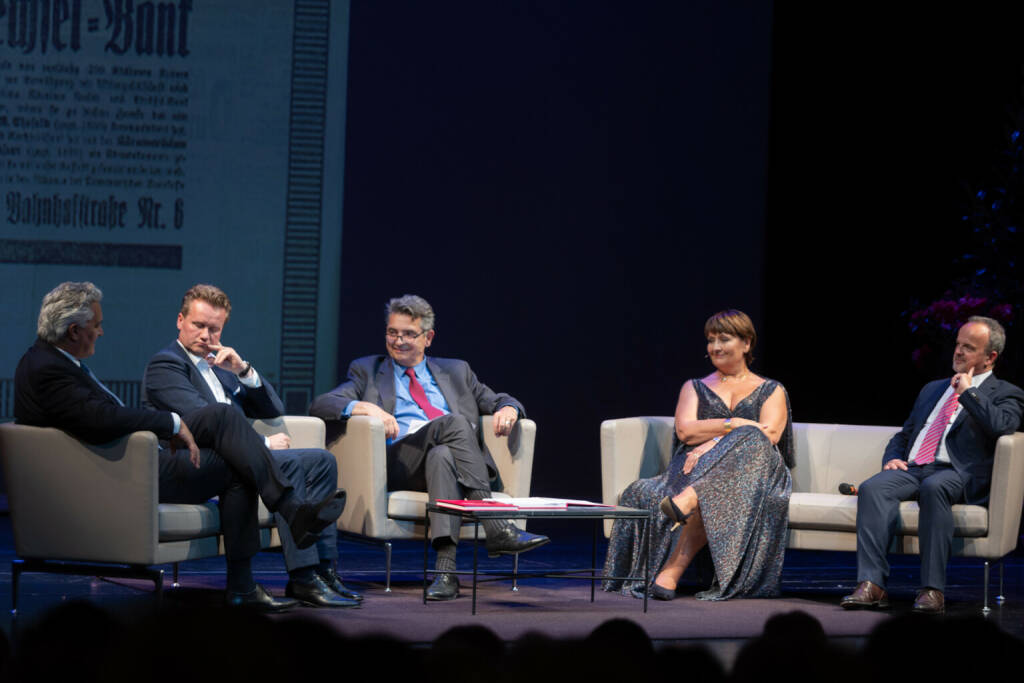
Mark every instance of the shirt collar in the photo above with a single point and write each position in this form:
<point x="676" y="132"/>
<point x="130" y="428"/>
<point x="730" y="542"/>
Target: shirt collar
<point x="421" y="370"/>
<point x="978" y="379"/>
<point x="191" y="356"/>
<point x="68" y="356"/>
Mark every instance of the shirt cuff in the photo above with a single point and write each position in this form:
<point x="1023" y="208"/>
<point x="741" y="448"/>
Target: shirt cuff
<point x="252" y="380"/>
<point x="177" y="422"/>
<point x="519" y="413"/>
<point x="347" y="412"/>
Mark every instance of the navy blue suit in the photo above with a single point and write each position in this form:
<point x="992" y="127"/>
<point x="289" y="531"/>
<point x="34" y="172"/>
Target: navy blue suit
<point x="172" y="382"/>
<point x="51" y="391"/>
<point x="987" y="412"/>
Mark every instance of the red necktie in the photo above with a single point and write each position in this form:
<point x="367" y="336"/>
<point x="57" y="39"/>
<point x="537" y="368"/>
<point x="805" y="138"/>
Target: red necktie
<point x="930" y="445"/>
<point x="420" y="396"/>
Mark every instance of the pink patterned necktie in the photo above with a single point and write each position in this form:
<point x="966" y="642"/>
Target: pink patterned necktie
<point x="930" y="445"/>
<point x="420" y="396"/>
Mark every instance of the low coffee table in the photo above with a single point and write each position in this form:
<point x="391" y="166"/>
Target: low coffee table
<point x="596" y="514"/>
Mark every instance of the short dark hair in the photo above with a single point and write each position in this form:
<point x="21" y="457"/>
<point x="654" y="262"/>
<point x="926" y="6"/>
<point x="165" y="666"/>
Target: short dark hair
<point x="416" y="307"/>
<point x="736" y="323"/>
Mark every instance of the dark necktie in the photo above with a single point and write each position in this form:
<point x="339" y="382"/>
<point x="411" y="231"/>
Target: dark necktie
<point x="420" y="396"/>
<point x="101" y="385"/>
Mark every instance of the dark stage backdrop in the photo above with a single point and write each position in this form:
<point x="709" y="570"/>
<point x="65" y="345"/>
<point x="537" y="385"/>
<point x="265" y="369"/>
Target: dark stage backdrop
<point x="880" y="124"/>
<point x="574" y="186"/>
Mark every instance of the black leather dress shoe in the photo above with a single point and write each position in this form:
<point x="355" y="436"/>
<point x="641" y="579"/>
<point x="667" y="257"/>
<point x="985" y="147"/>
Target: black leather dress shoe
<point x="511" y="540"/>
<point x="316" y="593"/>
<point x="334" y="582"/>
<point x="259" y="599"/>
<point x="309" y="519"/>
<point x="444" y="587"/>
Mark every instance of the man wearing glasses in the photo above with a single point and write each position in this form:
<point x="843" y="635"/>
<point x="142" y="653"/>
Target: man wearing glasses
<point x="431" y="411"/>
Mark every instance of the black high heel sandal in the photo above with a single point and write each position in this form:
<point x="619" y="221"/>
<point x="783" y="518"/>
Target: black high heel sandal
<point x="672" y="511"/>
<point x="661" y="593"/>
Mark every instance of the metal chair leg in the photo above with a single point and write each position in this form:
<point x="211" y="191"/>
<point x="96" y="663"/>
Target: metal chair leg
<point x="16" y="567"/>
<point x="1001" y="598"/>
<point x="158" y="583"/>
<point x="985" y="609"/>
<point x="515" y="573"/>
<point x="387" y="566"/>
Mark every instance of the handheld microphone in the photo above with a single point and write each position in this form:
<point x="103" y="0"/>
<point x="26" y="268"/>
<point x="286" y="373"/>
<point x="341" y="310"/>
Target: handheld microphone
<point x="847" y="489"/>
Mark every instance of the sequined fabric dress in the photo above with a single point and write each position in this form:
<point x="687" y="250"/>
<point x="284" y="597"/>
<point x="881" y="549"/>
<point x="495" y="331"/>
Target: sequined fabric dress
<point x="743" y="487"/>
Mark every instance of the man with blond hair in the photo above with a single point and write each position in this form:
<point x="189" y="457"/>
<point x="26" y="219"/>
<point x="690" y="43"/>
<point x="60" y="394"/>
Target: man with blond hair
<point x="197" y="370"/>
<point x="54" y="388"/>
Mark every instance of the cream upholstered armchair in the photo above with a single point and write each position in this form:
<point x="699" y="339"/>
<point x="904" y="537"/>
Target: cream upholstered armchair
<point x="377" y="515"/>
<point x="73" y="503"/>
<point x="827" y="455"/>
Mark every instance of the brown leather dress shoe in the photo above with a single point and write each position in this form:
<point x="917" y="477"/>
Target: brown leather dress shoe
<point x="866" y="596"/>
<point x="929" y="601"/>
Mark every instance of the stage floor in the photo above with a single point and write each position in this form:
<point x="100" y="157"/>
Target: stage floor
<point x="812" y="582"/>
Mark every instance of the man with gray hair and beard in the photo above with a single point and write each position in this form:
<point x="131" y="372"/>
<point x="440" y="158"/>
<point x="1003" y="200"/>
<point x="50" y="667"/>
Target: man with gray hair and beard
<point x="431" y="411"/>
<point x="54" y="388"/>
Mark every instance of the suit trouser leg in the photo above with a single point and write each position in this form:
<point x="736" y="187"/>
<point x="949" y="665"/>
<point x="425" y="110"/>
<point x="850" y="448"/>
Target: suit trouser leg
<point x="182" y="482"/>
<point x="941" y="487"/>
<point x="224" y="429"/>
<point x="878" y="501"/>
<point x="442" y="458"/>
<point x="314" y="474"/>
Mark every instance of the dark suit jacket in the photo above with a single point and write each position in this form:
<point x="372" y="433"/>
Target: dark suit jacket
<point x="172" y="382"/>
<point x="372" y="379"/>
<point x="988" y="412"/>
<point x="51" y="391"/>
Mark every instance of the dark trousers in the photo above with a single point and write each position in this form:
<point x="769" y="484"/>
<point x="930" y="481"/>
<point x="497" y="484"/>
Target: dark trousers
<point x="182" y="482"/>
<point x="314" y="474"/>
<point x="442" y="458"/>
<point x="936" y="487"/>
<point x="239" y="468"/>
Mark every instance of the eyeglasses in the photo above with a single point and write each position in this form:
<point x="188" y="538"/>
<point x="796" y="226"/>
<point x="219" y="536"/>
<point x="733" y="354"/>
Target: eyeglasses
<point x="395" y="335"/>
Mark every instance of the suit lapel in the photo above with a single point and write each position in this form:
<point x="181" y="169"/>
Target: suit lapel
<point x="385" y="381"/>
<point x="986" y="388"/>
<point x="94" y="382"/>
<point x="444" y="383"/>
<point x="194" y="376"/>
<point x="229" y="382"/>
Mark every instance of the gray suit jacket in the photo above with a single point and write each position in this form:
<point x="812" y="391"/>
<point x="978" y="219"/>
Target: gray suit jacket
<point x="372" y="379"/>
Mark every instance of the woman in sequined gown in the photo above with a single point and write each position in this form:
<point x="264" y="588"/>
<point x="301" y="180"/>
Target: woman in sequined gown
<point x="729" y="477"/>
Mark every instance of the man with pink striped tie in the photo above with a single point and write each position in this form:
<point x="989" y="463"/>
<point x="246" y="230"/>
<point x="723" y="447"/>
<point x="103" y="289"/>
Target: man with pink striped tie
<point x="943" y="455"/>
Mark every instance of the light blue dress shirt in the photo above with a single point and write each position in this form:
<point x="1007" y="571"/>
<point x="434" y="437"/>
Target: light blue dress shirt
<point x="407" y="413"/>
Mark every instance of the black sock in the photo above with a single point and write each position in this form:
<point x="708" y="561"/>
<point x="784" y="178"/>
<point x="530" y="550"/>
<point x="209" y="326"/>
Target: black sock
<point x="302" y="574"/>
<point x="491" y="526"/>
<point x="325" y="569"/>
<point x="445" y="561"/>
